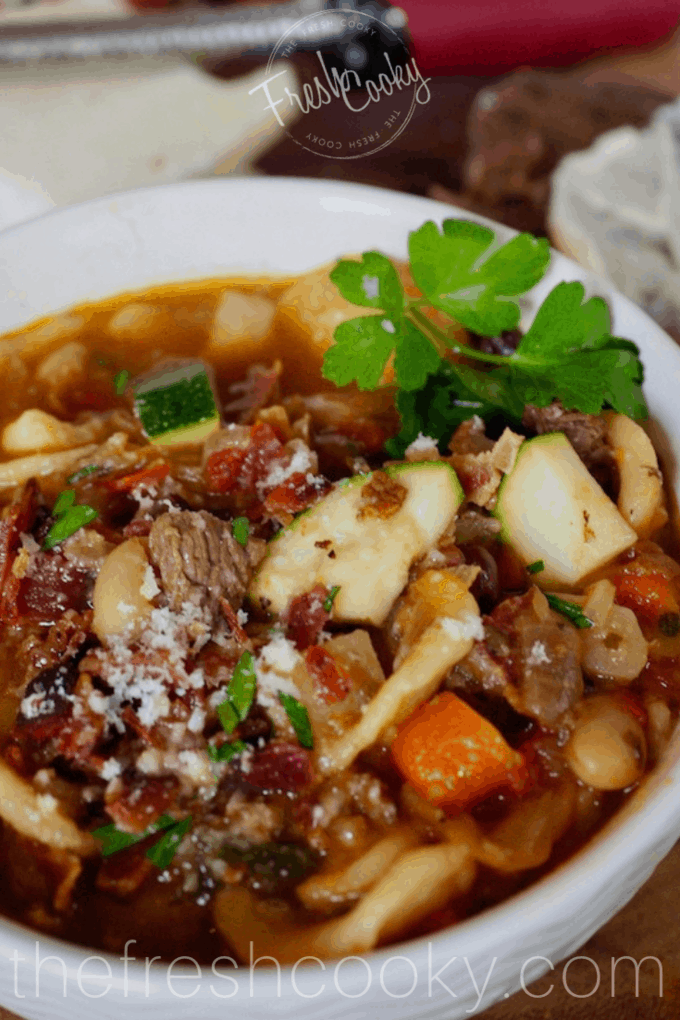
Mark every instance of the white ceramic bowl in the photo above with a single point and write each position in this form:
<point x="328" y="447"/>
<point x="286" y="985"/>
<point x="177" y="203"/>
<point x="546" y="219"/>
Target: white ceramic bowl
<point x="205" y="229"/>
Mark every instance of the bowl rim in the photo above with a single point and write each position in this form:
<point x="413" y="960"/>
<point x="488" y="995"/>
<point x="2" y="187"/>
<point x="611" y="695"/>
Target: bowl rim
<point x="650" y="817"/>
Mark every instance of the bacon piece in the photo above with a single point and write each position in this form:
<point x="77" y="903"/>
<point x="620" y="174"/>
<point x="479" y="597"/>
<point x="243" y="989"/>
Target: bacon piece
<point x="307" y="617"/>
<point x="142" y="803"/>
<point x="331" y="682"/>
<point x="19" y="518"/>
<point x="280" y="766"/>
<point x="52" y="587"/>
<point x="123" y="873"/>
<point x="232" y="619"/>
<point x="240" y="469"/>
<point x="294" y="495"/>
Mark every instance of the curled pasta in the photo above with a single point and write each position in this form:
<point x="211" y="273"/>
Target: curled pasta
<point x="441" y="645"/>
<point x="37" y="815"/>
<point x="37" y="465"/>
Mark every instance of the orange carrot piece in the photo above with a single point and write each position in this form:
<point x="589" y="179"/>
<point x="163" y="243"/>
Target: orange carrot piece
<point x="451" y="755"/>
<point x="650" y="595"/>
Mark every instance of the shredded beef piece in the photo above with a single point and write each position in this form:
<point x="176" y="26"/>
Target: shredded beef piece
<point x="259" y="389"/>
<point x="474" y="525"/>
<point x="280" y="766"/>
<point x="541" y="654"/>
<point x="381" y="497"/>
<point x="199" y="560"/>
<point x="585" y="432"/>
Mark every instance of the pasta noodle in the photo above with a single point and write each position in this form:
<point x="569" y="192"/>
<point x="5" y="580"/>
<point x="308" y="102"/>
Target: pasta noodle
<point x="37" y="816"/>
<point x="37" y="465"/>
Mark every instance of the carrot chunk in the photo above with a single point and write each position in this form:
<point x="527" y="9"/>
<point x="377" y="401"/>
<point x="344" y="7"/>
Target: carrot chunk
<point x="451" y="755"/>
<point x="650" y="595"/>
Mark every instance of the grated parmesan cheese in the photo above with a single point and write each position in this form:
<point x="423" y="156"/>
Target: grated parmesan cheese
<point x="468" y="626"/>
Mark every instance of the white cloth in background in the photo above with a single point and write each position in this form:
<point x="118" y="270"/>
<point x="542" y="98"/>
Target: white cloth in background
<point x="616" y="209"/>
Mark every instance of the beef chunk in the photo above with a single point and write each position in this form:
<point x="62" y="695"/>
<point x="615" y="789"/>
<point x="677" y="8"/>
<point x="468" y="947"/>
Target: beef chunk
<point x="586" y="434"/>
<point x="199" y="560"/>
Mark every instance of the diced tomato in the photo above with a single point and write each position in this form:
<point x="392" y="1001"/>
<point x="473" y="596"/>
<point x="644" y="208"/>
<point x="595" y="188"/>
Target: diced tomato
<point x="307" y="617"/>
<point x="141" y="804"/>
<point x="146" y="476"/>
<point x="280" y="766"/>
<point x="331" y="682"/>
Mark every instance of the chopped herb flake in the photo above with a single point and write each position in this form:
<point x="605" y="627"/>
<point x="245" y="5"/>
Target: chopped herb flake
<point x="240" y="694"/>
<point x="571" y="610"/>
<point x="77" y="476"/>
<point x="226" y="751"/>
<point x="240" y="528"/>
<point x="536" y="567"/>
<point x="330" y="598"/>
<point x="63" y="502"/>
<point x="120" y="381"/>
<point x="114" y="839"/>
<point x="162" y="852"/>
<point x="299" y="718"/>
<point x="68" y="523"/>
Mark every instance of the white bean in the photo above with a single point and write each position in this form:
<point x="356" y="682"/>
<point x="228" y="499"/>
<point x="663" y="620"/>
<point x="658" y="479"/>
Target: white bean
<point x="119" y="605"/>
<point x="616" y="650"/>
<point x="607" y="748"/>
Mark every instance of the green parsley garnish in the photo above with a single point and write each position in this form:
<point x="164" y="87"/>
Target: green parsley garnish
<point x="162" y="852"/>
<point x="240" y="694"/>
<point x="69" y="518"/>
<point x="571" y="610"/>
<point x="226" y="751"/>
<point x="536" y="567"/>
<point x="568" y="353"/>
<point x="120" y="381"/>
<point x="299" y="718"/>
<point x="114" y="839"/>
<point x="330" y="598"/>
<point x="82" y="473"/>
<point x="240" y="529"/>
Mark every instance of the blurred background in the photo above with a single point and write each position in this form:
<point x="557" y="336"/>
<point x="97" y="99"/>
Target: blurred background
<point x="551" y="117"/>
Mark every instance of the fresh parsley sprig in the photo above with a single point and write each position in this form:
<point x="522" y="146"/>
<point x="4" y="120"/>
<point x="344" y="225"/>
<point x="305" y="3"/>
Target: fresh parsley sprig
<point x="568" y="354"/>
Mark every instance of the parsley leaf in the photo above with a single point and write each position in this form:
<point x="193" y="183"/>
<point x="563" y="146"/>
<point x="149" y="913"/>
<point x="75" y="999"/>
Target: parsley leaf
<point x="361" y="351"/>
<point x="240" y="529"/>
<point x="446" y="268"/>
<point x="240" y="694"/>
<point x="299" y="718"/>
<point x="571" y="610"/>
<point x="63" y="502"/>
<point x="114" y="839"/>
<point x="371" y="283"/>
<point x="536" y="567"/>
<point x="162" y="852"/>
<point x="330" y="598"/>
<point x="226" y="751"/>
<point x="568" y="353"/>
